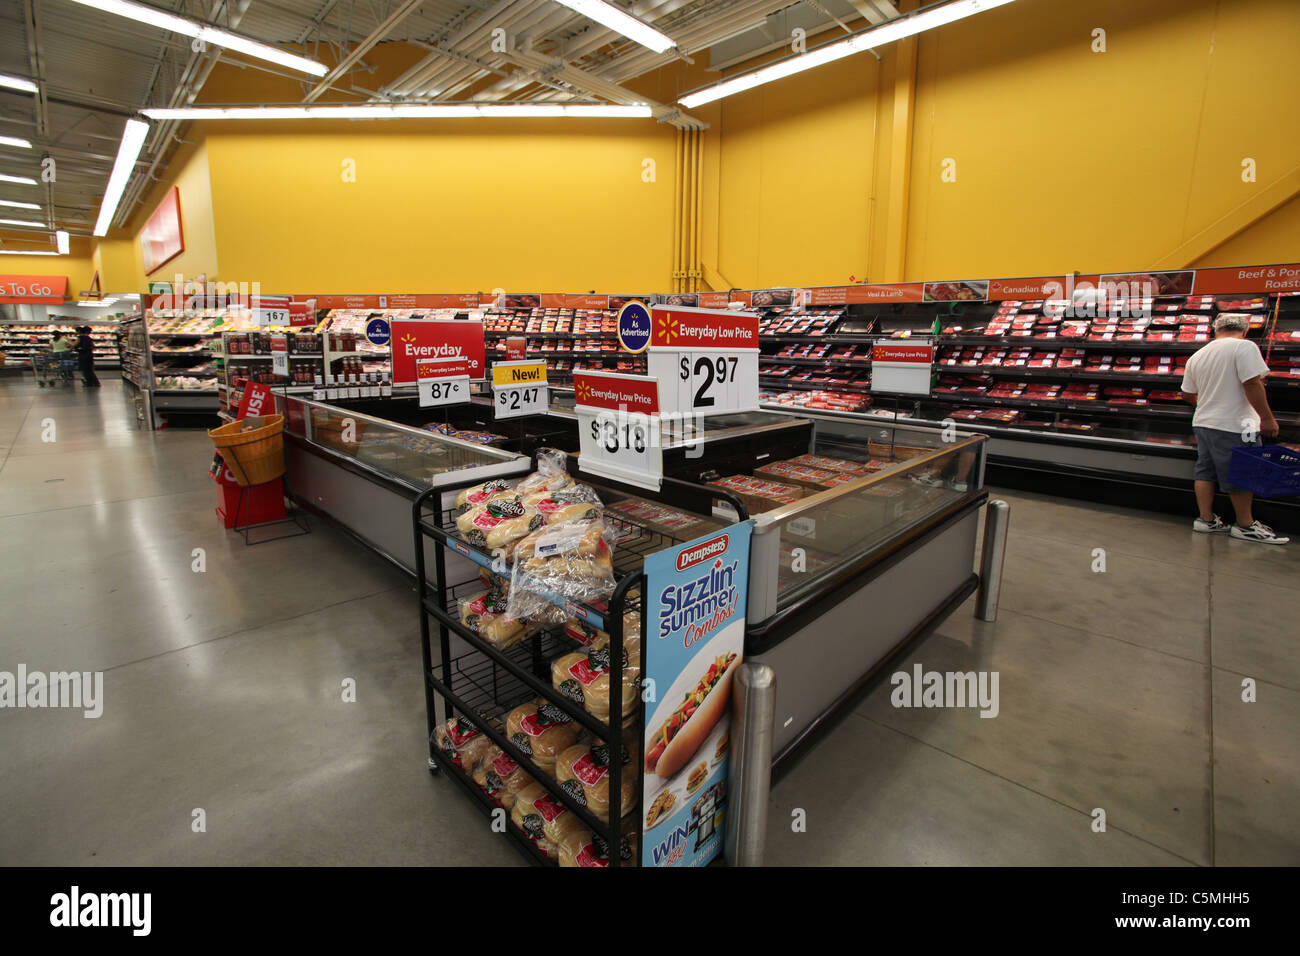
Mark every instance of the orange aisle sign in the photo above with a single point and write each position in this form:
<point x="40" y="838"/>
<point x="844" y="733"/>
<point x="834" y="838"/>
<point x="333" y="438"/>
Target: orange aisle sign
<point x="33" y="290"/>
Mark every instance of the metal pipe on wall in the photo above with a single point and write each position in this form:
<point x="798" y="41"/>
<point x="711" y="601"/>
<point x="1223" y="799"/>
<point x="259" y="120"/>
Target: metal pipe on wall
<point x="678" y="219"/>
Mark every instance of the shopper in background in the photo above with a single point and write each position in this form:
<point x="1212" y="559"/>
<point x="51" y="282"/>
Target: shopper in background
<point x="86" y="357"/>
<point x="59" y="343"/>
<point x="1225" y="381"/>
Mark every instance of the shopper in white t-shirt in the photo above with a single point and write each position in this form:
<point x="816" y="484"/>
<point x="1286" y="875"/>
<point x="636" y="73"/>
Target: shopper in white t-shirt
<point x="1225" y="381"/>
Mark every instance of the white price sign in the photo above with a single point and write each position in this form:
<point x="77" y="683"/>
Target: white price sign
<point x="270" y="310"/>
<point x="519" y="388"/>
<point x="280" y="356"/>
<point x="618" y="427"/>
<point x="706" y="359"/>
<point x="441" y="381"/>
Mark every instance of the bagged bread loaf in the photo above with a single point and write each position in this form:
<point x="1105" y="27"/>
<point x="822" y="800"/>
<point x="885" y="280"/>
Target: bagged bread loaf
<point x="581" y="847"/>
<point x="483" y="493"/>
<point x="541" y="732"/>
<point x="462" y="741"/>
<point x="487" y="777"/>
<point x="487" y="615"/>
<point x="499" y="523"/>
<point x="572" y="561"/>
<point x="583" y="772"/>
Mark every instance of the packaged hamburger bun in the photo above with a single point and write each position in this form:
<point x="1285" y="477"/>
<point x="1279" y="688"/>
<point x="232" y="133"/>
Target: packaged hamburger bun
<point x="512" y="776"/>
<point x="499" y="523"/>
<point x="582" y="848"/>
<point x="487" y="615"/>
<point x="583" y="772"/>
<point x="541" y="816"/>
<point x="486" y="776"/>
<point x="461" y="741"/>
<point x="541" y="732"/>
<point x="481" y="494"/>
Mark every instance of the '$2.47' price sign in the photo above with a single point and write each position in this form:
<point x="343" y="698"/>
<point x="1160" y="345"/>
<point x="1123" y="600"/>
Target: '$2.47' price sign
<point x="519" y="388"/>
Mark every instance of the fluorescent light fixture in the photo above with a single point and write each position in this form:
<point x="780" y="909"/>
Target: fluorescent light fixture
<point x="22" y="222"/>
<point x="14" y="141"/>
<point x="61" y="239"/>
<point x="27" y="252"/>
<point x="16" y="83"/>
<point x="12" y="204"/>
<point x="202" y="32"/>
<point x="132" y="142"/>
<point x="400" y="111"/>
<point x="620" y="22"/>
<point x="888" y="32"/>
<point x="23" y="180"/>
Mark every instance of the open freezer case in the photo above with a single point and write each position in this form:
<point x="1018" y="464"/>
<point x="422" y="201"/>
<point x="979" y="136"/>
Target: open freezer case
<point x="363" y="472"/>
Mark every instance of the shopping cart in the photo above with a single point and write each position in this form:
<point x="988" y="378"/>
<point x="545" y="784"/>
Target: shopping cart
<point x="46" y="366"/>
<point x="69" y="366"/>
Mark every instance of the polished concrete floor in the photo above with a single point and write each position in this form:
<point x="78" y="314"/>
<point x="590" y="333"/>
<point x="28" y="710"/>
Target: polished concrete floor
<point x="1119" y="690"/>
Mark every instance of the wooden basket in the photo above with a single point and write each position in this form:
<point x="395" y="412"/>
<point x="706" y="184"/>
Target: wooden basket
<point x="252" y="448"/>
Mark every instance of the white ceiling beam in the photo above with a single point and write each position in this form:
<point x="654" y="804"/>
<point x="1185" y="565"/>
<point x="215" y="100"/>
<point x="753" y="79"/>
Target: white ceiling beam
<point x="361" y="49"/>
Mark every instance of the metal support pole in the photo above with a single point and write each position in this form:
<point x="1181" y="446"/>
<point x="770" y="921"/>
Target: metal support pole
<point x="753" y="709"/>
<point x="996" y="518"/>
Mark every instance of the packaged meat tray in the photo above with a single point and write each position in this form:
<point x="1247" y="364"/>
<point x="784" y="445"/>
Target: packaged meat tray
<point x="826" y="463"/>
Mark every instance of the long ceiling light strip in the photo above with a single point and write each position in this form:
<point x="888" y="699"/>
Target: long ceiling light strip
<point x="62" y="242"/>
<point x="617" y="20"/>
<point x="16" y="83"/>
<point x="25" y="223"/>
<point x="27" y="252"/>
<point x="888" y="32"/>
<point x="15" y="141"/>
<point x="206" y="34"/>
<point x="20" y="180"/>
<point x="127" y="153"/>
<point x="13" y="204"/>
<point x="401" y="111"/>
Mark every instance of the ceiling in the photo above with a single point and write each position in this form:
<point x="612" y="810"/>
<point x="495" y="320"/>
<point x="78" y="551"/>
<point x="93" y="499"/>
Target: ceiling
<point x="95" y="70"/>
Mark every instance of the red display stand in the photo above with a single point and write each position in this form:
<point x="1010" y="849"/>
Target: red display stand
<point x="262" y="503"/>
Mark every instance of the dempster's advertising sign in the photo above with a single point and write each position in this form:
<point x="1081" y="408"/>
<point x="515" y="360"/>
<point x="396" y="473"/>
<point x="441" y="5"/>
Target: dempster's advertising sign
<point x="414" y="339"/>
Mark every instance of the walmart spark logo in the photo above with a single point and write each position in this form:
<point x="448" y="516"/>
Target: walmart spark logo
<point x="583" y="391"/>
<point x="669" y="328"/>
<point x="408" y="338"/>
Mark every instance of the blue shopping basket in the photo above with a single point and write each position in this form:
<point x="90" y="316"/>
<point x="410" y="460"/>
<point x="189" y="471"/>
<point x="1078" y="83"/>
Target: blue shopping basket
<point x="1272" y="471"/>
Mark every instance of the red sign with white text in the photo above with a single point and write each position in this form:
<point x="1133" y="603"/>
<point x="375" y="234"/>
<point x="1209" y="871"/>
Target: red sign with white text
<point x="673" y="327"/>
<point x="442" y="368"/>
<point x="1263" y="279"/>
<point x="301" y="314"/>
<point x="516" y="347"/>
<point x="257" y="400"/>
<point x="608" y="390"/>
<point x="428" y="339"/>
<point x="33" y="290"/>
<point x="895" y="352"/>
<point x="714" y="300"/>
<point x="899" y="292"/>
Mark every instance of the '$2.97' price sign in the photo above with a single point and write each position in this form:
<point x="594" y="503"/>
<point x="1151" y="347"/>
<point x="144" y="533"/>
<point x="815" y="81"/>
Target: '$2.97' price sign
<point x="707" y="359"/>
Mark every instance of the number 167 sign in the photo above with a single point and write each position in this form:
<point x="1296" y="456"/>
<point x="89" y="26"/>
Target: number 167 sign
<point x="706" y="360"/>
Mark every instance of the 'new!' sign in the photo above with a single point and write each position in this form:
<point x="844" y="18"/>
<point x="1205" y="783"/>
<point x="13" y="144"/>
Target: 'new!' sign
<point x="415" y="339"/>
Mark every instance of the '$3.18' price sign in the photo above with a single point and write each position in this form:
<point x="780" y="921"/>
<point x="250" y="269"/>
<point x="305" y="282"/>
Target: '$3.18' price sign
<point x="630" y="432"/>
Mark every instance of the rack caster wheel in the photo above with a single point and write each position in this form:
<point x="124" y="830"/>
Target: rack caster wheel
<point x="434" y="769"/>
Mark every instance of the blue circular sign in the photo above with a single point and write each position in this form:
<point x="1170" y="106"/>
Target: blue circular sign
<point x="634" y="327"/>
<point x="378" y="332"/>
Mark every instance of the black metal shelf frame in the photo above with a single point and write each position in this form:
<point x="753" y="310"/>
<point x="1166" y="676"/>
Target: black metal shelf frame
<point x="499" y="680"/>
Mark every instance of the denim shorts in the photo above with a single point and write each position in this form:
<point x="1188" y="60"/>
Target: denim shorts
<point x="1214" y="455"/>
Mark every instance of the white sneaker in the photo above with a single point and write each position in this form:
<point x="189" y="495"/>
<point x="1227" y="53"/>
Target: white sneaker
<point x="1258" y="532"/>
<point x="1213" y="526"/>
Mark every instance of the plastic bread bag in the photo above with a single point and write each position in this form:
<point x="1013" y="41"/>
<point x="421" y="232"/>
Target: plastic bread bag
<point x="499" y="523"/>
<point x="507" y="771"/>
<point x="583" y="772"/>
<point x="542" y="732"/>
<point x="552" y="473"/>
<point x="572" y="561"/>
<point x="493" y="583"/>
<point x="461" y="741"/>
<point x="486" y="776"/>
<point x="584" y="677"/>
<point x="487" y="615"/>
<point x="582" y="848"/>
<point x="576" y="502"/>
<point x="483" y="493"/>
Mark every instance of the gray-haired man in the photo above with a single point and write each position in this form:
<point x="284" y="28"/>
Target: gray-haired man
<point x="1225" y="381"/>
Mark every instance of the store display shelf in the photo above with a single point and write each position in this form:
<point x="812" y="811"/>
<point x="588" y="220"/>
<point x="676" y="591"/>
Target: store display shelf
<point x="1091" y="408"/>
<point x="1002" y="341"/>
<point x="1060" y="374"/>
<point x="184" y="391"/>
<point x="769" y="381"/>
<point x="863" y="362"/>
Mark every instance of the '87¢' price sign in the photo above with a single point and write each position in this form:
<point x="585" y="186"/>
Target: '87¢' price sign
<point x="519" y="388"/>
<point x="442" y="381"/>
<point x="706" y="359"/>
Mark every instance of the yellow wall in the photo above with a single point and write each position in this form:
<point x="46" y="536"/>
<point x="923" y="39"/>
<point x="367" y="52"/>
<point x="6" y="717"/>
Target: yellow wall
<point x="1070" y="159"/>
<point x="465" y="205"/>
<point x="78" y="265"/>
<point x="1065" y="159"/>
